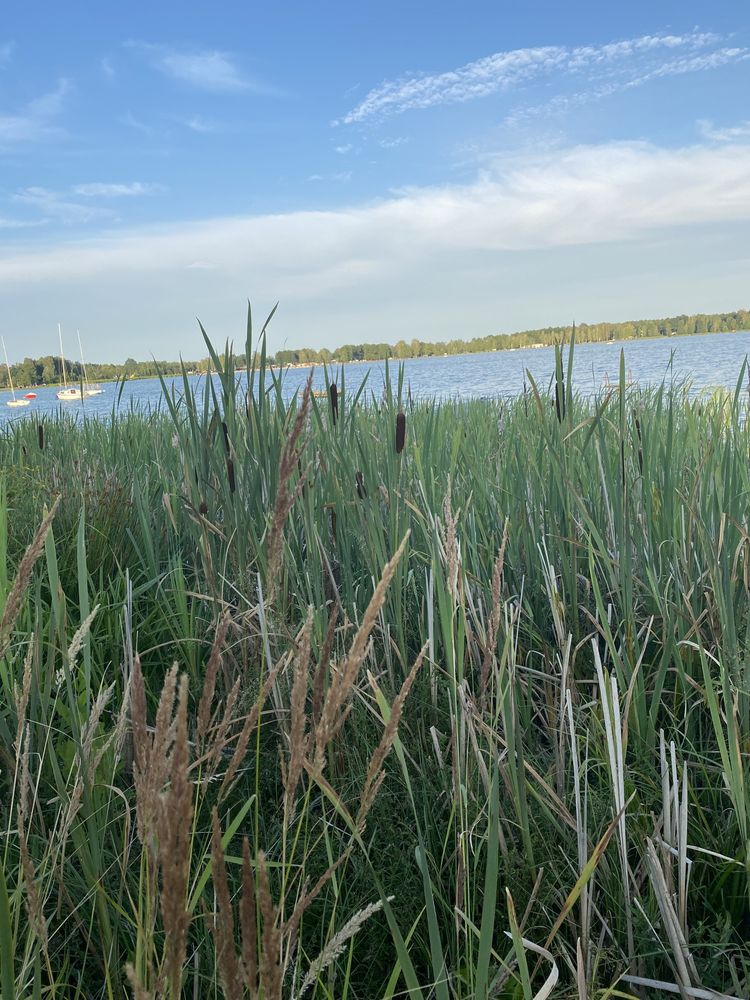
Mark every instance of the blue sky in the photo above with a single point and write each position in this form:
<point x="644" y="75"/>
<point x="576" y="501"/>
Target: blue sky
<point x="383" y="170"/>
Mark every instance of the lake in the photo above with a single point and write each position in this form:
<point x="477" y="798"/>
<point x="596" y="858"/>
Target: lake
<point x="706" y="361"/>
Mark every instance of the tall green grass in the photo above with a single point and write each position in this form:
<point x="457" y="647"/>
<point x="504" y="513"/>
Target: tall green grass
<point x="440" y="699"/>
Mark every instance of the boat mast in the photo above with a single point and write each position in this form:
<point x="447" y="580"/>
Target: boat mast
<point x="83" y="363"/>
<point x="62" y="357"/>
<point x="10" y="377"/>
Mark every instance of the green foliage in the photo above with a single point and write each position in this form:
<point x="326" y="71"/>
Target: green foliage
<point x="576" y="733"/>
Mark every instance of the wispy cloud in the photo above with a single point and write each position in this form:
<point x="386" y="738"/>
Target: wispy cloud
<point x="197" y="123"/>
<point x="131" y="121"/>
<point x="35" y="120"/>
<point x="347" y="147"/>
<point x="107" y="67"/>
<point x="81" y="204"/>
<point x="393" y="142"/>
<point x="99" y="189"/>
<point x="586" y="195"/>
<point x="53" y="205"/>
<point x="6" y="52"/>
<point x="731" y="133"/>
<point x="209" y="69"/>
<point x="673" y="67"/>
<point x="20" y="223"/>
<point x="506" y="70"/>
<point x="341" y="176"/>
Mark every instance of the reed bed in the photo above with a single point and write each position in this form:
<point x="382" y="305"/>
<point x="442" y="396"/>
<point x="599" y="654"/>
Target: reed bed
<point x="354" y="696"/>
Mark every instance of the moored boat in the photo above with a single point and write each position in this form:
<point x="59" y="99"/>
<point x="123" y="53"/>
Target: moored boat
<point x="14" y="401"/>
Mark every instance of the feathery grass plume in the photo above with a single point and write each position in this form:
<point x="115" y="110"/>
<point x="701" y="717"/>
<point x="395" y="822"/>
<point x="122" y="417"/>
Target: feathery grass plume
<point x="22" y="696"/>
<point x="251" y="720"/>
<point x="40" y="436"/>
<point x="375" y="772"/>
<point x="174" y="829"/>
<point x="334" y="709"/>
<point x="139" y="991"/>
<point x="285" y="497"/>
<point x="33" y="899"/>
<point x="337" y="944"/>
<point x="361" y="488"/>
<point x="400" y="431"/>
<point x="297" y="735"/>
<point x="270" y="957"/>
<point x="493" y="626"/>
<point x="78" y="639"/>
<point x="23" y="578"/>
<point x="209" y="680"/>
<point x="248" y="923"/>
<point x="334" y="394"/>
<point x="323" y="662"/>
<point x="222" y="925"/>
<point x="151" y="751"/>
<point x="230" y="476"/>
<point x="219" y="734"/>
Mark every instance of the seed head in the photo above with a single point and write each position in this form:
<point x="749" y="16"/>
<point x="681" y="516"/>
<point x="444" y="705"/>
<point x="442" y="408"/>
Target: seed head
<point x="400" y="432"/>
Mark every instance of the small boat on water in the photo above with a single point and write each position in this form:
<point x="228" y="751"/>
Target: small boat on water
<point x="72" y="393"/>
<point x="29" y="395"/>
<point x="14" y="401"/>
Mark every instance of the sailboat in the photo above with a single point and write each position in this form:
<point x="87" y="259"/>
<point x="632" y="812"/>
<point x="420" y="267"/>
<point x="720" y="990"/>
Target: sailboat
<point x="14" y="401"/>
<point x="67" y="393"/>
<point x="88" y="388"/>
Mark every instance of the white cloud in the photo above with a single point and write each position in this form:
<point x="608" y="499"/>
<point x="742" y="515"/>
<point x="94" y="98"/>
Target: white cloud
<point x="505" y="70"/>
<point x="35" y="120"/>
<point x="339" y="177"/>
<point x="107" y="68"/>
<point x="100" y="189"/>
<point x="393" y="143"/>
<point x="201" y="125"/>
<point x="580" y="196"/>
<point x="57" y="206"/>
<point x="209" y="70"/>
<point x="343" y="150"/>
<point x="731" y="133"/>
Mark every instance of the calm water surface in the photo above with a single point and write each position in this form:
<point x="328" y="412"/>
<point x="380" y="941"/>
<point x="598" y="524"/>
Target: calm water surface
<point x="705" y="361"/>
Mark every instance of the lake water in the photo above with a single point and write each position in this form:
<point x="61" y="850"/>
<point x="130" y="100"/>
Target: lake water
<point x="706" y="361"/>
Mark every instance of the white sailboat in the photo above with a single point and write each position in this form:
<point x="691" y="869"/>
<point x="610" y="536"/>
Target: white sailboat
<point x="14" y="401"/>
<point x="67" y="393"/>
<point x="88" y="388"/>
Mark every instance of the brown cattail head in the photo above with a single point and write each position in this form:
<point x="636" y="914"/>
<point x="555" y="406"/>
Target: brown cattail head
<point x="334" y="393"/>
<point x="230" y="475"/>
<point x="203" y="508"/>
<point x="361" y="490"/>
<point x="40" y="436"/>
<point x="225" y="432"/>
<point x="400" y="432"/>
<point x="640" y="444"/>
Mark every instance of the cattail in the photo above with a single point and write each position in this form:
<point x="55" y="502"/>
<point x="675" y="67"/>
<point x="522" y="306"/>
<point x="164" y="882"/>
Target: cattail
<point x="361" y="491"/>
<point x="400" y="432"/>
<point x="640" y="444"/>
<point x="203" y="508"/>
<point x="230" y="475"/>
<point x="40" y="436"/>
<point x="334" y="394"/>
<point x="226" y="437"/>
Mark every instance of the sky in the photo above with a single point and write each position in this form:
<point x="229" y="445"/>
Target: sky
<point x="381" y="170"/>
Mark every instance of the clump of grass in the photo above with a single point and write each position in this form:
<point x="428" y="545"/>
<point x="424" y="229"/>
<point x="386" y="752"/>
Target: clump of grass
<point x="277" y="703"/>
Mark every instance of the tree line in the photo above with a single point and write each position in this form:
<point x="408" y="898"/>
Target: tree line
<point x="48" y="370"/>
